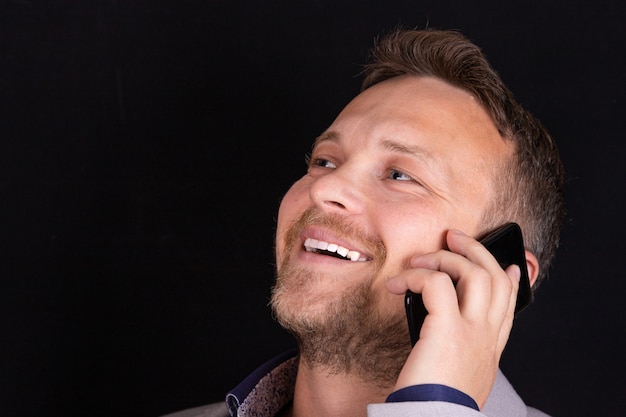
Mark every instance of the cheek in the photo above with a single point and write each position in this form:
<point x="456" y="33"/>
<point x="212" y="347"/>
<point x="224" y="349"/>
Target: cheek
<point x="411" y="230"/>
<point x="293" y="204"/>
<point x="406" y="234"/>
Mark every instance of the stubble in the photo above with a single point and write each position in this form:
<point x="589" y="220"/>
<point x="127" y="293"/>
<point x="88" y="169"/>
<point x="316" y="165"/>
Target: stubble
<point x="342" y="331"/>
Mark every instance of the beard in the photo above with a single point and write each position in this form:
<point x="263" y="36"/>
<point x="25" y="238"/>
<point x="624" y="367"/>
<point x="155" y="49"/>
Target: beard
<point x="342" y="331"/>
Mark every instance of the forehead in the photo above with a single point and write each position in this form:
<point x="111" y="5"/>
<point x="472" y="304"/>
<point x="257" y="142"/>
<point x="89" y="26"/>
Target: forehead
<point x="424" y="112"/>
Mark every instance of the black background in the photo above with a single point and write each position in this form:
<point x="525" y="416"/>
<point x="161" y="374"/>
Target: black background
<point x="145" y="147"/>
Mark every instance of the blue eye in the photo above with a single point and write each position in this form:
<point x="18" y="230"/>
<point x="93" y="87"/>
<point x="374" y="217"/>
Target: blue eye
<point x="399" y="175"/>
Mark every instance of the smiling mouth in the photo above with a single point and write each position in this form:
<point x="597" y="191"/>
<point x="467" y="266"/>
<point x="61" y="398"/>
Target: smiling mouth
<point x="332" y="249"/>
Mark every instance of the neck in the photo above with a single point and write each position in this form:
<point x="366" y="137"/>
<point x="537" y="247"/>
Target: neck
<point x="319" y="392"/>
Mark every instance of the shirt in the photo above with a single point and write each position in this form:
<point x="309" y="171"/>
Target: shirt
<point x="271" y="386"/>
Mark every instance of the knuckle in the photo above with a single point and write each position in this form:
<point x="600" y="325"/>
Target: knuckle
<point x="440" y="278"/>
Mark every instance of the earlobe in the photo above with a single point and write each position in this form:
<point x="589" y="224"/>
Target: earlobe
<point x="532" y="264"/>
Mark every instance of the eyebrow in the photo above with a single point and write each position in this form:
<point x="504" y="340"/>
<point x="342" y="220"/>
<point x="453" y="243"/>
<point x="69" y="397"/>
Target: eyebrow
<point x="387" y="144"/>
<point x="411" y="150"/>
<point x="438" y="172"/>
<point x="326" y="136"/>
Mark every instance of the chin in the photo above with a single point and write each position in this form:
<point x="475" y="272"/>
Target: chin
<point x="346" y="333"/>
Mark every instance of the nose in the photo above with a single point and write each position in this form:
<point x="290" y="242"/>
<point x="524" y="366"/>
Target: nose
<point x="339" y="191"/>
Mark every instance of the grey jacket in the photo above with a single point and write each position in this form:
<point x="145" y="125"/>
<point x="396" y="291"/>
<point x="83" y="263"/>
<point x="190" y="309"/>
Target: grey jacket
<point x="503" y="401"/>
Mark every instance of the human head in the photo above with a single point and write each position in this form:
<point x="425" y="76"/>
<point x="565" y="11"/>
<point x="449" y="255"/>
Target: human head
<point x="449" y="119"/>
<point x="530" y="187"/>
<point x="405" y="162"/>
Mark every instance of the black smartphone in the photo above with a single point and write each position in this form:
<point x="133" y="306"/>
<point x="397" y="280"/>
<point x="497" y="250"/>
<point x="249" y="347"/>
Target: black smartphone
<point x="506" y="244"/>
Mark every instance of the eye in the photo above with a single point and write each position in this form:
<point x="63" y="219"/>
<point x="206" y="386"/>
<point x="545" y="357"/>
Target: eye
<point x="394" y="174"/>
<point x="324" y="163"/>
<point x="313" y="162"/>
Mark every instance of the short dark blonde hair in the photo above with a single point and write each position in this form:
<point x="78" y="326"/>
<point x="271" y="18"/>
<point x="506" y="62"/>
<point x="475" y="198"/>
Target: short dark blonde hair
<point x="530" y="187"/>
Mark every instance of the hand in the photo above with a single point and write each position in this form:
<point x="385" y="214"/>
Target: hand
<point x="468" y="325"/>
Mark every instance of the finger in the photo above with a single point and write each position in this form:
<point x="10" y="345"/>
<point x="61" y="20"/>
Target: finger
<point x="473" y="283"/>
<point x="439" y="294"/>
<point x="436" y="287"/>
<point x="499" y="281"/>
<point x="513" y="273"/>
<point x="470" y="248"/>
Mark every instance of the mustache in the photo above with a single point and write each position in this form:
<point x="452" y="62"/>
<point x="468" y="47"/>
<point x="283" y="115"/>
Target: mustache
<point x="340" y="225"/>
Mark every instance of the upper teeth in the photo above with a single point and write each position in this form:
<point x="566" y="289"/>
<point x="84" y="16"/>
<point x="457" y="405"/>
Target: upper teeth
<point x="312" y="245"/>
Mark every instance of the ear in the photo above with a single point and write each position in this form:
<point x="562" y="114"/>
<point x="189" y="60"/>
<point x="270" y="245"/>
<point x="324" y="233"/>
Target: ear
<point x="532" y="264"/>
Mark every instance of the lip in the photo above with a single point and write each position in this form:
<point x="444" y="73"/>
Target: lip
<point x="327" y="235"/>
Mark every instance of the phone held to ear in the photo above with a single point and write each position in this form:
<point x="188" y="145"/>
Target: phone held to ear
<point x="507" y="246"/>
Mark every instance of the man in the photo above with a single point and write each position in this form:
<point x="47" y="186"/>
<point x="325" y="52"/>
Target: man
<point x="432" y="154"/>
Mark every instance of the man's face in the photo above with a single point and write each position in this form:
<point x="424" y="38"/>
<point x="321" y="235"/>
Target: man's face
<point x="404" y="162"/>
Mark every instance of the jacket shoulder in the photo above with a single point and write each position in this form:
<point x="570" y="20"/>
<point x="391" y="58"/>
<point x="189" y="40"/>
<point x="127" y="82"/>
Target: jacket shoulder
<point x="210" y="410"/>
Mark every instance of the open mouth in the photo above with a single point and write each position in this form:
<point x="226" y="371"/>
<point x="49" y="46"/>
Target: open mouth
<point x="332" y="249"/>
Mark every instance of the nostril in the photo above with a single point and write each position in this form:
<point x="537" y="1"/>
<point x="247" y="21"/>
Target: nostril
<point x="335" y="204"/>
